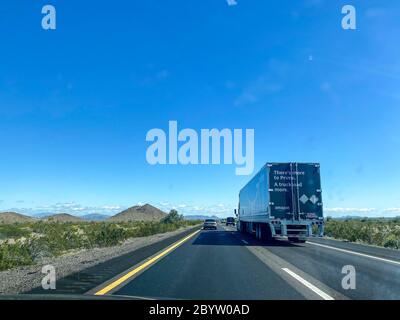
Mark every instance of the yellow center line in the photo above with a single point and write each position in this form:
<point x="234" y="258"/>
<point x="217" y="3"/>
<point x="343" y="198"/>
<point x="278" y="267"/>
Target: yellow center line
<point x="144" y="265"/>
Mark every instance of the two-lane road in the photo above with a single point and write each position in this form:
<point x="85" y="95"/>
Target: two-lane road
<point x="225" y="264"/>
<point x="211" y="265"/>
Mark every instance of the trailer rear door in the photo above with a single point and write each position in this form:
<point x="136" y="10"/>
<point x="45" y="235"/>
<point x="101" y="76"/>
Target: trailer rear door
<point x="308" y="185"/>
<point x="280" y="191"/>
<point x="295" y="191"/>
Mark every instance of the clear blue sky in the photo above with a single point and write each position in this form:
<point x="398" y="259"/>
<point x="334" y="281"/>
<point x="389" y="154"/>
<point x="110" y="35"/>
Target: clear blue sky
<point x="76" y="103"/>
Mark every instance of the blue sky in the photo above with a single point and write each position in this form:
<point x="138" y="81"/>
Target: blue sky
<point x="76" y="103"/>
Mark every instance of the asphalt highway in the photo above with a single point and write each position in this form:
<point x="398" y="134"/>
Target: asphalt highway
<point x="225" y="264"/>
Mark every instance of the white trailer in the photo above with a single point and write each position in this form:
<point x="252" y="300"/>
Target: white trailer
<point x="282" y="201"/>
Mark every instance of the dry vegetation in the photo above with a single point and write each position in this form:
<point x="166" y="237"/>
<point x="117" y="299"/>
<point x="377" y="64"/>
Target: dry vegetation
<point x="379" y="232"/>
<point x="24" y="243"/>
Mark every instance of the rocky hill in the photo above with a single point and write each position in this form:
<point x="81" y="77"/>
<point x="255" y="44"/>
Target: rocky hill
<point x="62" y="217"/>
<point x="13" y="217"/>
<point x="139" y="213"/>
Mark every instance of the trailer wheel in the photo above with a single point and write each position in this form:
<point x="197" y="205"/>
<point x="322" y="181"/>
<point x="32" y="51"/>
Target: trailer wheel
<point x="265" y="232"/>
<point x="242" y="227"/>
<point x="296" y="240"/>
<point x="258" y="231"/>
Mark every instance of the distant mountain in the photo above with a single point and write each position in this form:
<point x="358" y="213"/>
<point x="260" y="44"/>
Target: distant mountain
<point x="139" y="213"/>
<point x="41" y="214"/>
<point x="94" y="217"/>
<point x="362" y="218"/>
<point x="350" y="218"/>
<point x="13" y="217"/>
<point x="62" y="217"/>
<point x="199" y="217"/>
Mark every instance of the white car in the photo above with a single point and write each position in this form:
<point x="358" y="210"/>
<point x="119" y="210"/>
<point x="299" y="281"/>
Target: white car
<point x="210" y="224"/>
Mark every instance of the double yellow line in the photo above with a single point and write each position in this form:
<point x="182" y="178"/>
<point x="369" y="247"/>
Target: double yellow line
<point x="143" y="266"/>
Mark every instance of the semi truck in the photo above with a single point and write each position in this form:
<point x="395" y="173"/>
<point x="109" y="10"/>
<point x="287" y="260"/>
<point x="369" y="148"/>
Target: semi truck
<point x="282" y="201"/>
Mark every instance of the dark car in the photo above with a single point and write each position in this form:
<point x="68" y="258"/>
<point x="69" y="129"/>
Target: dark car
<point x="230" y="221"/>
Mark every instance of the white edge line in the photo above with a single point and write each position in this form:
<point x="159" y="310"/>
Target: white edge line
<point x="310" y="286"/>
<point x="354" y="252"/>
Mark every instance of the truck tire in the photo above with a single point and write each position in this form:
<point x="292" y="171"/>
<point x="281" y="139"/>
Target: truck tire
<point x="296" y="240"/>
<point x="258" y="231"/>
<point x="265" y="233"/>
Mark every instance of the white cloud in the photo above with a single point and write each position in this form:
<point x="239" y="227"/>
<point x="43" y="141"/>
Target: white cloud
<point x="111" y="207"/>
<point x="362" y="212"/>
<point x="68" y="207"/>
<point x="78" y="208"/>
<point x="218" y="209"/>
<point x="392" y="210"/>
<point x="350" y="210"/>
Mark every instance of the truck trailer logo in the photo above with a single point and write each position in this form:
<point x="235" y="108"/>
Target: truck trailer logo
<point x="304" y="198"/>
<point x="314" y="199"/>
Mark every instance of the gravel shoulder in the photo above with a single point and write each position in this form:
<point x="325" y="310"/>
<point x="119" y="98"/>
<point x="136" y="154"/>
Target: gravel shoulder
<point x="23" y="279"/>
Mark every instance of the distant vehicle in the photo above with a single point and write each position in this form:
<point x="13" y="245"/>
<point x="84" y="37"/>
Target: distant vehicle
<point x="283" y="201"/>
<point x="230" y="221"/>
<point x="210" y="224"/>
<point x="223" y="221"/>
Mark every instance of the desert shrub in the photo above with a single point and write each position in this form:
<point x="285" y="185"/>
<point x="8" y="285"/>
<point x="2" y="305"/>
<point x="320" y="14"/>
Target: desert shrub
<point x="14" y="255"/>
<point x="105" y="234"/>
<point x="172" y="217"/>
<point x="13" y="231"/>
<point x="50" y="239"/>
<point x="379" y="232"/>
<point x="392" y="242"/>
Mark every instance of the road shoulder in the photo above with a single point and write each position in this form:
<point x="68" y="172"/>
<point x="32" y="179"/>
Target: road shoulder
<point x="77" y="265"/>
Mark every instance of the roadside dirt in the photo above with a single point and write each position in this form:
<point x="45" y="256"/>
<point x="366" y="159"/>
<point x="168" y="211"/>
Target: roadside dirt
<point x="23" y="279"/>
